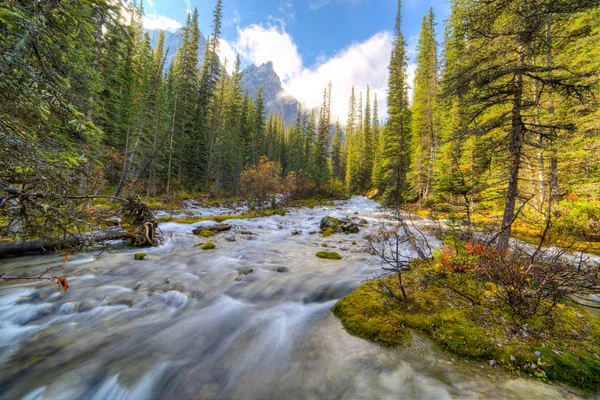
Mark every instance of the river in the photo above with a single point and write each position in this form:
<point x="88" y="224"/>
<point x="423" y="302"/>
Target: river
<point x="185" y="324"/>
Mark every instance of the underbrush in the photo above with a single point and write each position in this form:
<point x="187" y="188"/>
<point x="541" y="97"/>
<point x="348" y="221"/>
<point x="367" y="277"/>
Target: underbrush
<point x="519" y="309"/>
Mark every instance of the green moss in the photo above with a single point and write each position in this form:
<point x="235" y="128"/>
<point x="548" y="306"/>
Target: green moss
<point x="329" y="255"/>
<point x="208" y="246"/>
<point x="221" y="218"/>
<point x="570" y="352"/>
<point x="325" y="232"/>
<point x="310" y="203"/>
<point x="139" y="256"/>
<point x="206" y="233"/>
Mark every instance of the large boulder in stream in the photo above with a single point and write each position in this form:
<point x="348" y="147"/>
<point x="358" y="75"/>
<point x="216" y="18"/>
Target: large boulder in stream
<point x="330" y="225"/>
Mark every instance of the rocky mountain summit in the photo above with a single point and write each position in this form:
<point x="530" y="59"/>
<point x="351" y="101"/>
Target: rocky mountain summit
<point x="275" y="98"/>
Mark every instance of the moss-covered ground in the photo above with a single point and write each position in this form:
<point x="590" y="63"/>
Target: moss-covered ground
<point x="565" y="349"/>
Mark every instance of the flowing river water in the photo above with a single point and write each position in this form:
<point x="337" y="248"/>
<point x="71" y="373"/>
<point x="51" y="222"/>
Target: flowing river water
<point x="185" y="324"/>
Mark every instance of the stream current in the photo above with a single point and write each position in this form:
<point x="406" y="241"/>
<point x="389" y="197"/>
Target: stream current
<point x="185" y="324"/>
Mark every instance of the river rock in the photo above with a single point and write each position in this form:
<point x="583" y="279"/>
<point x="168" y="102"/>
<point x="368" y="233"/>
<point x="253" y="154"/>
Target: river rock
<point x="87" y="305"/>
<point x="123" y="299"/>
<point x="295" y="232"/>
<point x="329" y="222"/>
<point x="344" y="225"/>
<point x="245" y="271"/>
<point x="213" y="228"/>
<point x="230" y="238"/>
<point x="281" y="269"/>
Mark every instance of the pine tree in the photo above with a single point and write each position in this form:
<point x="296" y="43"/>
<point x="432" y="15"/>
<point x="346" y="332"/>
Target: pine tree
<point x="336" y="153"/>
<point x="322" y="149"/>
<point x="368" y="146"/>
<point x="424" y="111"/>
<point x="500" y="74"/>
<point x="396" y="156"/>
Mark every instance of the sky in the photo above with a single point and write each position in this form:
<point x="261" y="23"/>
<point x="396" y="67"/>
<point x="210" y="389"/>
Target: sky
<point x="310" y="42"/>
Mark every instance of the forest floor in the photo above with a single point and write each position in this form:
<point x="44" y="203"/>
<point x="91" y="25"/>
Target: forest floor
<point x="527" y="233"/>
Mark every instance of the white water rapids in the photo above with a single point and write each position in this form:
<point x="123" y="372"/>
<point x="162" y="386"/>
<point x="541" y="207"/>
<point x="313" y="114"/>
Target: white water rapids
<point x="184" y="324"/>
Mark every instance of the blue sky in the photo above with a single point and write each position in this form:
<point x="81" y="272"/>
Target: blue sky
<point x="310" y="41"/>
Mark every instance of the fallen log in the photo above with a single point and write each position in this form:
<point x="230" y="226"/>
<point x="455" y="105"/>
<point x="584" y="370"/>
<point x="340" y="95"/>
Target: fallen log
<point x="68" y="242"/>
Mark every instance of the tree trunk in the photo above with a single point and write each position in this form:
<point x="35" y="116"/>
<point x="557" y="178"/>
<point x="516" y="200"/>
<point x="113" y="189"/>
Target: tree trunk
<point x="515" y="148"/>
<point x="40" y="245"/>
<point x="171" y="145"/>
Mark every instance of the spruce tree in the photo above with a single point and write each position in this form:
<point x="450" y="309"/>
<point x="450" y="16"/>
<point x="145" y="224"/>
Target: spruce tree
<point x="396" y="155"/>
<point x="424" y="111"/>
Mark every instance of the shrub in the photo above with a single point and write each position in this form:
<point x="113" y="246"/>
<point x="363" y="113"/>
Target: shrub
<point x="298" y="185"/>
<point x="262" y="181"/>
<point x="334" y="189"/>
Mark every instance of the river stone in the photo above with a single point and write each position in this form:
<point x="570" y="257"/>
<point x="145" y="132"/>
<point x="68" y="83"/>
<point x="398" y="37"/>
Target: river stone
<point x="87" y="305"/>
<point x="230" y="238"/>
<point x="245" y="270"/>
<point x="123" y="299"/>
<point x="213" y="228"/>
<point x="281" y="269"/>
<point x="329" y="222"/>
<point x="295" y="232"/>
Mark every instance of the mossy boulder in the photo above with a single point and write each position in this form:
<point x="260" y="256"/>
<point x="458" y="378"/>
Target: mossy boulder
<point x="139" y="256"/>
<point x="208" y="246"/>
<point x="206" y="233"/>
<point x="330" y="225"/>
<point x="329" y="255"/>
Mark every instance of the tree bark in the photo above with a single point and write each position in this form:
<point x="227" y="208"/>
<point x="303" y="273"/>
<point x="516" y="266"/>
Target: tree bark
<point x="515" y="149"/>
<point x="39" y="245"/>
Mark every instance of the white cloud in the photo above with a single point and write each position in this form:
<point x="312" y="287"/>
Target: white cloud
<point x="259" y="45"/>
<point x="360" y="64"/>
<point x="156" y="21"/>
<point x="226" y="52"/>
<point x="316" y="4"/>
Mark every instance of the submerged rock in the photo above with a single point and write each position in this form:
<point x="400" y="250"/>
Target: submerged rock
<point x="124" y="299"/>
<point x="295" y="232"/>
<point x="245" y="271"/>
<point x="281" y="269"/>
<point x="230" y="238"/>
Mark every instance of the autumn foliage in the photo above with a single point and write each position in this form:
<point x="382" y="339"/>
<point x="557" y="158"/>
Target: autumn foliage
<point x="261" y="182"/>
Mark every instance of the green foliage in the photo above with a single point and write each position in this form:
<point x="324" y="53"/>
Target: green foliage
<point x="139" y="256"/>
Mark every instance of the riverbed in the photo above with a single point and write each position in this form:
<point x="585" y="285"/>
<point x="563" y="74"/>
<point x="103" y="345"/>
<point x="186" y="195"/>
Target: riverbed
<point x="185" y="323"/>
